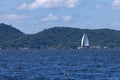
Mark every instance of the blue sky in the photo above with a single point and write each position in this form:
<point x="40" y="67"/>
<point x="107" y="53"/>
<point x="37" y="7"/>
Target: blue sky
<point x="32" y="16"/>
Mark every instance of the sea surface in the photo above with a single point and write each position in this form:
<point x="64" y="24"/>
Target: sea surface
<point x="92" y="64"/>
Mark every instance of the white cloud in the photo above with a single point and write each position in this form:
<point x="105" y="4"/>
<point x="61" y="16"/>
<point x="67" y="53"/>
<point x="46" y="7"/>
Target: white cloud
<point x="50" y="4"/>
<point x="72" y="3"/>
<point x="13" y="17"/>
<point x="67" y="18"/>
<point x="116" y="4"/>
<point x="50" y="17"/>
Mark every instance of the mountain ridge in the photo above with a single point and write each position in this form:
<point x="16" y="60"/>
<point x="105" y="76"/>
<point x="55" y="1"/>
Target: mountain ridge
<point x="7" y="33"/>
<point x="62" y="38"/>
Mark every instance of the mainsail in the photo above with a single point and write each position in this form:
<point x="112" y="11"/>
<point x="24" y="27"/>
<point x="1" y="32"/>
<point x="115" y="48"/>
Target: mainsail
<point x="84" y="41"/>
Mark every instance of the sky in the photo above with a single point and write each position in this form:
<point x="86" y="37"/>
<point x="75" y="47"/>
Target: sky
<point x="32" y="16"/>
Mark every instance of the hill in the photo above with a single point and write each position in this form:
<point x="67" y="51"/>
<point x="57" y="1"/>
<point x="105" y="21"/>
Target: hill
<point x="8" y="33"/>
<point x="60" y="38"/>
<point x="68" y="38"/>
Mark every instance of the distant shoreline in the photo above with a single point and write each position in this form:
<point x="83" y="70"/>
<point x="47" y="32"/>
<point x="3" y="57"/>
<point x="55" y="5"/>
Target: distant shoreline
<point x="60" y="49"/>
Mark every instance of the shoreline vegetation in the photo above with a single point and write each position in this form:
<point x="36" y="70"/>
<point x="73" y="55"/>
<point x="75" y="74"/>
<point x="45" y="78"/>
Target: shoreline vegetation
<point x="57" y="38"/>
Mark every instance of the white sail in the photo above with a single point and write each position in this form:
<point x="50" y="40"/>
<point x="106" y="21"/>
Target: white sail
<point x="84" y="41"/>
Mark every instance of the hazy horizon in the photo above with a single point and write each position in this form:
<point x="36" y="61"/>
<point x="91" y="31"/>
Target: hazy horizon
<point x="32" y="16"/>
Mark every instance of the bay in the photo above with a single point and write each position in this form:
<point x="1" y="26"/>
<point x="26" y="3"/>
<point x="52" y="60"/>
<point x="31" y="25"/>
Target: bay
<point x="92" y="64"/>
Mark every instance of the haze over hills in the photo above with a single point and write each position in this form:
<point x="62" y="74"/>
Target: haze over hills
<point x="56" y="38"/>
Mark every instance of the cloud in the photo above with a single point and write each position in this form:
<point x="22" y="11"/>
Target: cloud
<point x="116" y="4"/>
<point x="13" y="17"/>
<point x="67" y="18"/>
<point x="50" y="4"/>
<point x="50" y="17"/>
<point x="72" y="3"/>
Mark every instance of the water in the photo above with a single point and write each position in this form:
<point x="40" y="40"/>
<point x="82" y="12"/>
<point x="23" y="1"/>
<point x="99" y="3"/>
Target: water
<point x="60" y="65"/>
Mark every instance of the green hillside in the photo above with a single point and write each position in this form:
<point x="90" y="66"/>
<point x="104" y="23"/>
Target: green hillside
<point x="61" y="38"/>
<point x="8" y="33"/>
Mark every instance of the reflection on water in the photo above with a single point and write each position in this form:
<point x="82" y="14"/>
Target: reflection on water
<point x="60" y="65"/>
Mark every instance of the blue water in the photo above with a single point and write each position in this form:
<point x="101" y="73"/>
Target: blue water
<point x="60" y="65"/>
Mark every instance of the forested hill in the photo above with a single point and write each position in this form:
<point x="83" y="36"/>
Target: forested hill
<point x="8" y="33"/>
<point x="59" y="38"/>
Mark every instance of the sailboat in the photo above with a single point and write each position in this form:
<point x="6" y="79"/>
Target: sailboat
<point x="84" y="42"/>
